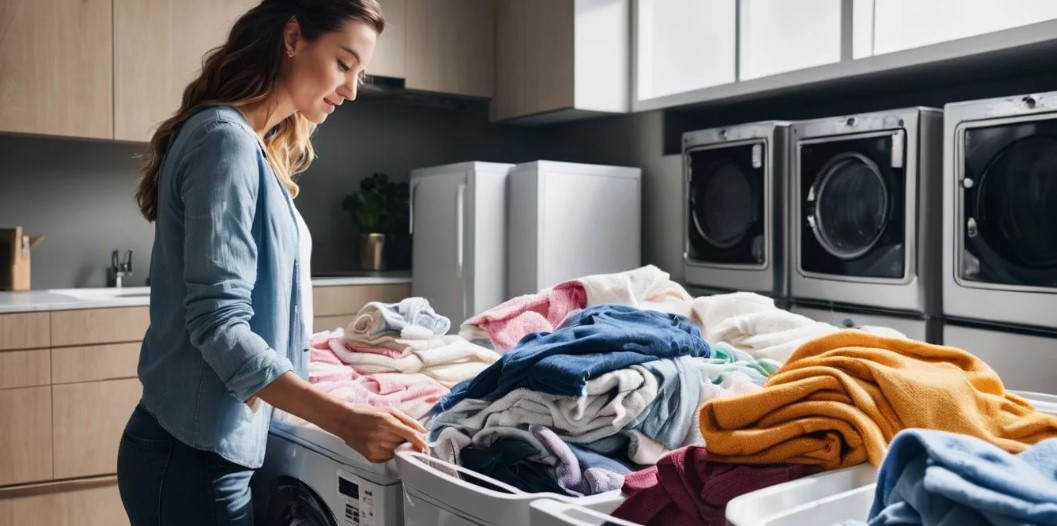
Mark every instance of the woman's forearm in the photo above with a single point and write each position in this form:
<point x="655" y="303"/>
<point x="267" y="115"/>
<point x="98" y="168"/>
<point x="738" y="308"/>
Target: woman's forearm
<point x="296" y="396"/>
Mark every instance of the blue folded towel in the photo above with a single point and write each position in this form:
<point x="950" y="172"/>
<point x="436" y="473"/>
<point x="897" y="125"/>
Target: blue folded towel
<point x="936" y="477"/>
<point x="588" y="344"/>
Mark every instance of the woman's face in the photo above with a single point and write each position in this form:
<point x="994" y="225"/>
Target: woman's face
<point x="322" y="74"/>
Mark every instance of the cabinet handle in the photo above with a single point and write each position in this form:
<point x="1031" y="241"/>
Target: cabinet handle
<point x="411" y="210"/>
<point x="459" y="198"/>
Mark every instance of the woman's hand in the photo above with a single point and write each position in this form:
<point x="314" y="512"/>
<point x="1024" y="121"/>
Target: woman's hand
<point x="376" y="432"/>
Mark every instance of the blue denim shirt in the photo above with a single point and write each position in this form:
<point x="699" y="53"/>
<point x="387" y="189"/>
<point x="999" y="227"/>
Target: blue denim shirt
<point x="225" y="306"/>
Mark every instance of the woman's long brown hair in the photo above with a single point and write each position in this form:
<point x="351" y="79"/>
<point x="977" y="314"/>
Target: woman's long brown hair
<point x="244" y="71"/>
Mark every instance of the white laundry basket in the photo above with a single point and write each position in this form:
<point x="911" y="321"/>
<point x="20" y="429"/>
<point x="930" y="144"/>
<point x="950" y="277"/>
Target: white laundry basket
<point x="440" y="493"/>
<point x="830" y="497"/>
<point x="547" y="512"/>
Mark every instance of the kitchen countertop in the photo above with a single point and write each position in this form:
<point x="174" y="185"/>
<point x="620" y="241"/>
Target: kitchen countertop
<point x="73" y="299"/>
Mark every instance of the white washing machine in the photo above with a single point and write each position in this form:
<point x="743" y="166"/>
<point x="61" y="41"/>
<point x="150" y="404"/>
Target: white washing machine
<point x="734" y="181"/>
<point x="312" y="478"/>
<point x="1000" y="211"/>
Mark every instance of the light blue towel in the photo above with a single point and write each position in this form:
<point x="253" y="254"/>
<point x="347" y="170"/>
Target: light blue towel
<point x="941" y="478"/>
<point x="411" y="318"/>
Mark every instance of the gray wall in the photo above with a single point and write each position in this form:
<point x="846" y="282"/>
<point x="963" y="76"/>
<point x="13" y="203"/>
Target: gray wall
<point x="370" y="136"/>
<point x="80" y="193"/>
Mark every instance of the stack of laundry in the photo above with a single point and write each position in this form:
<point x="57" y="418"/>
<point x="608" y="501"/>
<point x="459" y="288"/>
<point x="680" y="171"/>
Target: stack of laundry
<point x="395" y="355"/>
<point x="572" y="410"/>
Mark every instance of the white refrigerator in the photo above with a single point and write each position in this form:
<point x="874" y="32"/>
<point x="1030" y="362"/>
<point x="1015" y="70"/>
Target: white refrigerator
<point x="458" y="228"/>
<point x="485" y="232"/>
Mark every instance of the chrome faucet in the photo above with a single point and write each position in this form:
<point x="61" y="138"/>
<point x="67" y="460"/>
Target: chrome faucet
<point x="120" y="270"/>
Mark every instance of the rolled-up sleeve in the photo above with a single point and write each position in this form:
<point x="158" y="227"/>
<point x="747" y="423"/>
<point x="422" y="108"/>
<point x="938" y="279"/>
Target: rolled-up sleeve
<point x="219" y="188"/>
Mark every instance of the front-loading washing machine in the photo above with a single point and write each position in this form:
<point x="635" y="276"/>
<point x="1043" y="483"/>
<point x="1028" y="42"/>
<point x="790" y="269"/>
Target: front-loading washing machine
<point x="312" y="478"/>
<point x="733" y="208"/>
<point x="1000" y="211"/>
<point x="864" y="220"/>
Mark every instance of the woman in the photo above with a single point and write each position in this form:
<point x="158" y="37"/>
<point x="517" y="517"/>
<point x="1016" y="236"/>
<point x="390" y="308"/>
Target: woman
<point x="230" y="295"/>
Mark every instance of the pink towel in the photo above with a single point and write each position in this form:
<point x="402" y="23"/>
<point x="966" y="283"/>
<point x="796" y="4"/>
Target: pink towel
<point x="507" y="323"/>
<point x="687" y="488"/>
<point x="414" y="394"/>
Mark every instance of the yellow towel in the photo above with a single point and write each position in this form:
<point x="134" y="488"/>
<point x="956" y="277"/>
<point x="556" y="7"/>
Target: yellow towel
<point x="840" y="399"/>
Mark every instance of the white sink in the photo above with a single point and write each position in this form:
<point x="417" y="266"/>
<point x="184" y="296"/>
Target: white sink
<point x="105" y="293"/>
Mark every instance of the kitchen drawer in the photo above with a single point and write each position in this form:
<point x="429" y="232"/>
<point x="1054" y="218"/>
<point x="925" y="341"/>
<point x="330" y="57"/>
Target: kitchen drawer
<point x="25" y="435"/>
<point x="332" y="301"/>
<point x="25" y="330"/>
<point x="88" y="420"/>
<point x="94" y="362"/>
<point x="24" y="368"/>
<point x="81" y="503"/>
<point x="85" y="327"/>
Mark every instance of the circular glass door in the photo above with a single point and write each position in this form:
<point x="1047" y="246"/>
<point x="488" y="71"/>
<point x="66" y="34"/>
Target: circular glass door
<point x="723" y="205"/>
<point x="1016" y="203"/>
<point x="294" y="504"/>
<point x="851" y="206"/>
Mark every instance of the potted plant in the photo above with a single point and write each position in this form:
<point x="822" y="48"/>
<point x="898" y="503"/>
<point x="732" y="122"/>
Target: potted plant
<point x="379" y="209"/>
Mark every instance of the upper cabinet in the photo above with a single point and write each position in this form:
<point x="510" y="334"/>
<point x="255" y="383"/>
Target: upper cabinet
<point x="684" y="45"/>
<point x="559" y="59"/>
<point x="391" y="51"/>
<point x="777" y="36"/>
<point x="158" y="50"/>
<point x="905" y="24"/>
<point x="449" y="46"/>
<point x="55" y="67"/>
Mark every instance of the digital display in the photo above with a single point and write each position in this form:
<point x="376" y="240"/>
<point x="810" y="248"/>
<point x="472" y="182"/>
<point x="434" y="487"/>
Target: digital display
<point x="348" y="488"/>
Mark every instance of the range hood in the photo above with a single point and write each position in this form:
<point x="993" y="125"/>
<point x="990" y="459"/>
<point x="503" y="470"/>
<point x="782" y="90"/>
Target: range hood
<point x="395" y="89"/>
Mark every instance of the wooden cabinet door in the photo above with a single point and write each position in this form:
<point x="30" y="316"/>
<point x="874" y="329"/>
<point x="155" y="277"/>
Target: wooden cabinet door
<point x="158" y="50"/>
<point x="25" y="435"/>
<point x="56" y="67"/>
<point x="80" y="503"/>
<point x="390" y="55"/>
<point x="25" y="330"/>
<point x="88" y="420"/>
<point x="535" y="65"/>
<point x="450" y="46"/>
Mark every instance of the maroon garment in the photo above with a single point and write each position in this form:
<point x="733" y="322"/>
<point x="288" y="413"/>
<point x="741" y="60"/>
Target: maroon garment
<point x="686" y="488"/>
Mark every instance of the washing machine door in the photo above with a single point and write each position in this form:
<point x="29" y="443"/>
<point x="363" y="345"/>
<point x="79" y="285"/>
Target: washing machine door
<point x="295" y="504"/>
<point x="726" y="193"/>
<point x="852" y="205"/>
<point x="1010" y="205"/>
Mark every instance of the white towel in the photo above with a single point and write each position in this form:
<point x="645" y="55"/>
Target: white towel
<point x="646" y="288"/>
<point x="751" y="323"/>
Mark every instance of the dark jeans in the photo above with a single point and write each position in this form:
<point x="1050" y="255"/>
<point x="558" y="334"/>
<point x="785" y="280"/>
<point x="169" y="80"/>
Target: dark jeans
<point x="164" y="482"/>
